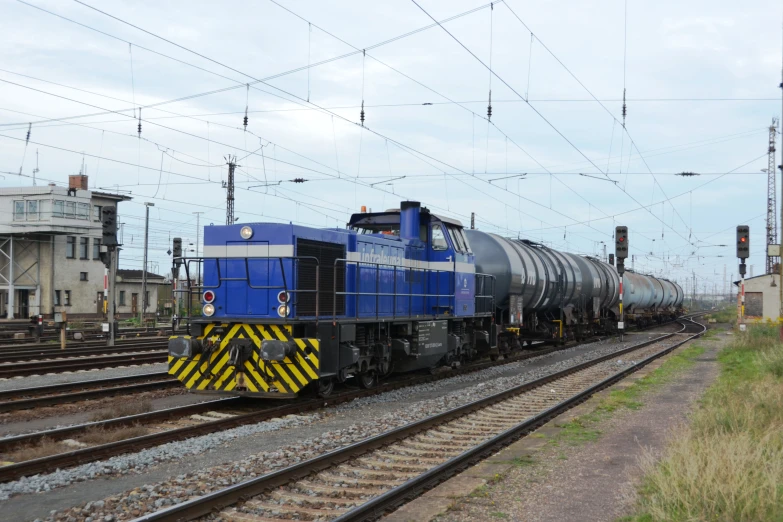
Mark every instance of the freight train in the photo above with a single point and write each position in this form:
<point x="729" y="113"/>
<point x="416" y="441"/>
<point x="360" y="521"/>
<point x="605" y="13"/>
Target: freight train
<point x="286" y="308"/>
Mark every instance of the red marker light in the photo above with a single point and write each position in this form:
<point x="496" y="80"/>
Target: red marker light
<point x="742" y="240"/>
<point x="209" y="296"/>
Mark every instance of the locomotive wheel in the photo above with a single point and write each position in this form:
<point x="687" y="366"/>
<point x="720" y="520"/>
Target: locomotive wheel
<point x="367" y="380"/>
<point x="324" y="387"/>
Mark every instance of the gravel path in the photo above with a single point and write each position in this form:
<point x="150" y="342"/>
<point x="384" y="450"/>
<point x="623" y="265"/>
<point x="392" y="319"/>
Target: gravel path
<point x="595" y="481"/>
<point x="243" y="453"/>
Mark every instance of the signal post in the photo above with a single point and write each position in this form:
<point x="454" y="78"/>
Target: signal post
<point x="109" y="257"/>
<point x="743" y="252"/>
<point x="621" y="252"/>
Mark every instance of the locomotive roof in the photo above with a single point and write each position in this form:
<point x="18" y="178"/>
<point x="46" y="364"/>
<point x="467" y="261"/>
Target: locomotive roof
<point x="392" y="216"/>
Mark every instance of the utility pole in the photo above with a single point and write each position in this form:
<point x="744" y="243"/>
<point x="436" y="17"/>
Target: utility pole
<point x="230" y="190"/>
<point x="144" y="268"/>
<point x="198" y="231"/>
<point x="772" y="225"/>
<point x="35" y="170"/>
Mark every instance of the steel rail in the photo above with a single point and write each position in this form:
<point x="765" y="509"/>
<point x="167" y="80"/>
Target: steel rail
<point x="57" y="353"/>
<point x="66" y="365"/>
<point x="36" y="391"/>
<point x="95" y="453"/>
<point x="121" y="388"/>
<point x="207" y="504"/>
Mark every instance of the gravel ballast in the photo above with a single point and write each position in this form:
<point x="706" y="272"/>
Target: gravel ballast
<point x="359" y="419"/>
<point x="81" y="375"/>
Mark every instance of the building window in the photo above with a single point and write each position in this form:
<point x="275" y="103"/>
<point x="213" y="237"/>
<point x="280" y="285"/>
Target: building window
<point x="84" y="248"/>
<point x="19" y="210"/>
<point x="67" y="300"/>
<point x="96" y="212"/>
<point x="32" y="210"/>
<point x="82" y="276"/>
<point x="83" y="211"/>
<point x="70" y="247"/>
<point x="58" y="208"/>
<point x="56" y="298"/>
<point x="122" y="297"/>
<point x="96" y="248"/>
<point x="70" y="209"/>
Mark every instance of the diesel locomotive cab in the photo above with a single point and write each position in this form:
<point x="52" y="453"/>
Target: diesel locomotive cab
<point x="284" y="307"/>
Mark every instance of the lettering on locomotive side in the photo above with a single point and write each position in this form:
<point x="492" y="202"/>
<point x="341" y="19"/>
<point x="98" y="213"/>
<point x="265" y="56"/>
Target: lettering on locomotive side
<point x="382" y="258"/>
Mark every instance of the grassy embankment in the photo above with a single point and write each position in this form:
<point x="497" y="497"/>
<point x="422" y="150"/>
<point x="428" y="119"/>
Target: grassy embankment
<point x="727" y="465"/>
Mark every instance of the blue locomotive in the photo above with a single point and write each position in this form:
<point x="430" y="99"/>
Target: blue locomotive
<point x="287" y="307"/>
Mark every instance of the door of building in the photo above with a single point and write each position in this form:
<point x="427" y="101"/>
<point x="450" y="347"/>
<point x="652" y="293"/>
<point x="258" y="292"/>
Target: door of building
<point x="134" y="304"/>
<point x="99" y="303"/>
<point x="24" y="304"/>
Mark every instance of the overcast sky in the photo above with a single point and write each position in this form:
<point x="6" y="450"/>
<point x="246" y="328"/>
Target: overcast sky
<point x="702" y="86"/>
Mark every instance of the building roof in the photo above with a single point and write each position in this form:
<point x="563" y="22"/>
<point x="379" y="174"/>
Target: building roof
<point x="137" y="274"/>
<point x="109" y="195"/>
<point x="737" y="282"/>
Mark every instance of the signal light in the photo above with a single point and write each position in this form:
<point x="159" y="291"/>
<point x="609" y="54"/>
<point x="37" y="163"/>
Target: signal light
<point x="743" y="241"/>
<point x="209" y="296"/>
<point x="621" y="242"/>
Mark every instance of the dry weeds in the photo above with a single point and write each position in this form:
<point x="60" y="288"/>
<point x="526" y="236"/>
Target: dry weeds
<point x="122" y="408"/>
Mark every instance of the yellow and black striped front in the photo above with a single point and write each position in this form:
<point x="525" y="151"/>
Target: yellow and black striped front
<point x="210" y="370"/>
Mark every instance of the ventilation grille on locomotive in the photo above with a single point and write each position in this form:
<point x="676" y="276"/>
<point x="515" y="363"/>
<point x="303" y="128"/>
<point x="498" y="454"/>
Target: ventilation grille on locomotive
<point x="326" y="253"/>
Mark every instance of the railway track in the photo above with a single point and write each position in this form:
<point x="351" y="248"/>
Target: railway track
<point x="41" y="396"/>
<point x="367" y="479"/>
<point x="177" y="424"/>
<point x="21" y="369"/>
<point x="55" y="344"/>
<point x="42" y="354"/>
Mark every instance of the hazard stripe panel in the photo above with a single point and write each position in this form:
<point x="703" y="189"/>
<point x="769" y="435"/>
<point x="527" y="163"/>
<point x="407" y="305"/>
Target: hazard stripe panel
<point x="212" y="372"/>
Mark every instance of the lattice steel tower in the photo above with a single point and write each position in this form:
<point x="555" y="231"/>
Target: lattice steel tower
<point x="772" y="223"/>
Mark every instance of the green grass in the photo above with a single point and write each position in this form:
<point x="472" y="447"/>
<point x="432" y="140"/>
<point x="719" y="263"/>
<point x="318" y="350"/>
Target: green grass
<point x="583" y="429"/>
<point x="728" y="463"/>
<point x="727" y="315"/>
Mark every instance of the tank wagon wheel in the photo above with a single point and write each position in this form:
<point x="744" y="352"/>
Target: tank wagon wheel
<point x="367" y="380"/>
<point x="324" y="387"/>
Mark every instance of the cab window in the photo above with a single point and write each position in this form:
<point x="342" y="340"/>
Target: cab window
<point x="438" y="238"/>
<point x="465" y="240"/>
<point x="455" y="239"/>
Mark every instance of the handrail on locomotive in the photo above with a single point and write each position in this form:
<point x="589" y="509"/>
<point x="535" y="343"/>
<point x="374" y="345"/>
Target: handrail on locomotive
<point x="485" y="286"/>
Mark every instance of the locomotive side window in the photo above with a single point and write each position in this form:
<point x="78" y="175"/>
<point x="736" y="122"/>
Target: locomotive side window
<point x="438" y="238"/>
<point x="465" y="240"/>
<point x="455" y="239"/>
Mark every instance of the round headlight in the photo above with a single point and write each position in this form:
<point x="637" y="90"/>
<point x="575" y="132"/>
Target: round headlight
<point x="283" y="310"/>
<point x="208" y="310"/>
<point x="246" y="232"/>
<point x="209" y="296"/>
<point x="283" y="297"/>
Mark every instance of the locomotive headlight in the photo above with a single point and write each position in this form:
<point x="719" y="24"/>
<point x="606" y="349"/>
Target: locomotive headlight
<point x="208" y="310"/>
<point x="246" y="232"/>
<point x="283" y="310"/>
